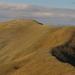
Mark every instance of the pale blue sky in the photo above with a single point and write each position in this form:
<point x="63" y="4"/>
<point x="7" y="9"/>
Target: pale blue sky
<point x="48" y="3"/>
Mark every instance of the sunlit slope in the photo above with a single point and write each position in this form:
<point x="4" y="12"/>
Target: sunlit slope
<point x="25" y="48"/>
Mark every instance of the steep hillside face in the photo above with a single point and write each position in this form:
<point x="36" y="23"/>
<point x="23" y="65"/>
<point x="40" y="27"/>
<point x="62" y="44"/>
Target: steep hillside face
<point x="66" y="52"/>
<point x="25" y="47"/>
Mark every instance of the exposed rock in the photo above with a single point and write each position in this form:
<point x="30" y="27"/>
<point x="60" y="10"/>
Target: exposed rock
<point x="38" y="22"/>
<point x="66" y="52"/>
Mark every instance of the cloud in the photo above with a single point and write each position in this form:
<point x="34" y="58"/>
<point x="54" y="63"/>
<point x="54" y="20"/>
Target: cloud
<point x="12" y="6"/>
<point x="46" y="14"/>
<point x="54" y="14"/>
<point x="10" y="10"/>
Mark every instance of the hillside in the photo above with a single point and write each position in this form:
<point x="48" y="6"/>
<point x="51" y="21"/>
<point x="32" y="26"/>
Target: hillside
<point x="66" y="52"/>
<point x="25" y="48"/>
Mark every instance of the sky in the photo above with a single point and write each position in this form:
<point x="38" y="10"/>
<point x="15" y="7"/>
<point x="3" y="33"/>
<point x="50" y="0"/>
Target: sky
<point x="46" y="11"/>
<point x="46" y="3"/>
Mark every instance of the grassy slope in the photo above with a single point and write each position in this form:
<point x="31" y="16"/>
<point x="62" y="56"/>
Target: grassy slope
<point x="25" y="48"/>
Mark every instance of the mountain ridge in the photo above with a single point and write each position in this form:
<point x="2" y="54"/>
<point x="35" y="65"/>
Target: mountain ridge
<point x="25" y="48"/>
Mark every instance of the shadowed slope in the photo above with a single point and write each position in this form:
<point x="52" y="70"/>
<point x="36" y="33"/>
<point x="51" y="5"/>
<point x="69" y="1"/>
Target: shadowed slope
<point x="66" y="52"/>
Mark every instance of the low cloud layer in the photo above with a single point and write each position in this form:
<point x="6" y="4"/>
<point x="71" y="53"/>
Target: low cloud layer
<point x="23" y="9"/>
<point x="12" y="11"/>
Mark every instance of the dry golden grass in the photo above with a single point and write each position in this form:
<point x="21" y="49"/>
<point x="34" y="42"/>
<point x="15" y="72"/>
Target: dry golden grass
<point x="25" y="48"/>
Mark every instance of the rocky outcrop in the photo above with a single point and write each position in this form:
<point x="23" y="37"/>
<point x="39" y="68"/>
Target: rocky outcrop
<point x="66" y="52"/>
<point x="38" y="22"/>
